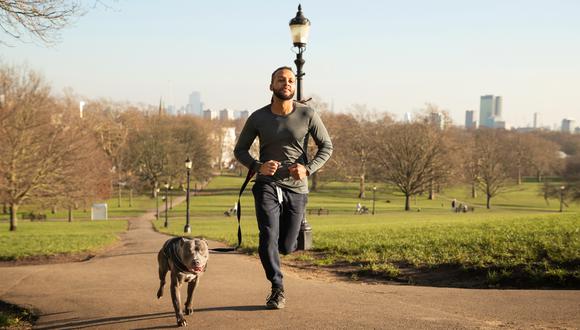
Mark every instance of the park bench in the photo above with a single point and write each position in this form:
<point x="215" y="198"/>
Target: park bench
<point x="319" y="211"/>
<point x="34" y="216"/>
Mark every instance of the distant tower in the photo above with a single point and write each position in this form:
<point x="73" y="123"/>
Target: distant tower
<point x="81" y="107"/>
<point x="498" y="101"/>
<point x="490" y="110"/>
<point x="161" y="109"/>
<point x="436" y="119"/>
<point x="536" y="119"/>
<point x="407" y="118"/>
<point x="568" y="125"/>
<point x="486" y="111"/>
<point x="195" y="105"/>
<point x="225" y="114"/>
<point x="469" y="123"/>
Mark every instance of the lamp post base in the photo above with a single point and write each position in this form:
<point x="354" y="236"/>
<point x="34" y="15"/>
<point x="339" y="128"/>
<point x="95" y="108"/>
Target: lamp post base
<point x="187" y="229"/>
<point x="305" y="236"/>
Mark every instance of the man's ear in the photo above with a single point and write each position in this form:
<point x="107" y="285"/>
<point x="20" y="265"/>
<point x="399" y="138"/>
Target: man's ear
<point x="271" y="89"/>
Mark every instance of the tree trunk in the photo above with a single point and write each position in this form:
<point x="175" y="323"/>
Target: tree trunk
<point x="473" y="190"/>
<point x="53" y="209"/>
<point x="13" y="218"/>
<point x="361" y="189"/>
<point x="519" y="176"/>
<point x="407" y="203"/>
<point x="314" y="185"/>
<point x="119" y="197"/>
<point x="131" y="197"/>
<point x="69" y="214"/>
<point x="431" y="191"/>
<point x="539" y="175"/>
<point x="488" y="204"/>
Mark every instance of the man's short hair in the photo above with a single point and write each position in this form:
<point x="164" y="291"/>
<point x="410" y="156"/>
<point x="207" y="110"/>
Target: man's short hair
<point x="278" y="69"/>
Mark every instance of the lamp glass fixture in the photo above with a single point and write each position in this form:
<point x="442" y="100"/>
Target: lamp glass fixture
<point x="299" y="29"/>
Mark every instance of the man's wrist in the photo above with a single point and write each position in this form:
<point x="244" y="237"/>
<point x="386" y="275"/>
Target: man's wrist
<point x="256" y="166"/>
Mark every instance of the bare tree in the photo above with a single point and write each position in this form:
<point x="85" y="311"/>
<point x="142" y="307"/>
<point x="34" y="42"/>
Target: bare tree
<point x="43" y="145"/>
<point x="544" y="158"/>
<point x="493" y="161"/>
<point x="410" y="157"/>
<point x="111" y="134"/>
<point x="43" y="19"/>
<point x="149" y="152"/>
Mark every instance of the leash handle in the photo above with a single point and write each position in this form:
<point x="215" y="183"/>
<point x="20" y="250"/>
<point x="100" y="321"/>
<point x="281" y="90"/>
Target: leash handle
<point x="251" y="173"/>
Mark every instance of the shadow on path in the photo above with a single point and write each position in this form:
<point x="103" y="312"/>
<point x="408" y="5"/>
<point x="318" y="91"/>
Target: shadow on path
<point x="65" y="324"/>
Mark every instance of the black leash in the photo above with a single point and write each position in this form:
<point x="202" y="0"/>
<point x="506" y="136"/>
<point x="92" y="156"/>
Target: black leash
<point x="239" y="214"/>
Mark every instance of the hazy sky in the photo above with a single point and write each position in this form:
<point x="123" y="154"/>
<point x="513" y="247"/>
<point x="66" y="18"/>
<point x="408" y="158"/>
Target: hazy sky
<point x="390" y="55"/>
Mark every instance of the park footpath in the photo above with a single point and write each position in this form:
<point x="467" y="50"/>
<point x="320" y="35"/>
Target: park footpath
<point x="117" y="290"/>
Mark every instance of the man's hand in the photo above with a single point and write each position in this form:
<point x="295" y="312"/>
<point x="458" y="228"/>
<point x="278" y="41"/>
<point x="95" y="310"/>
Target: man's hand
<point x="298" y="171"/>
<point x="269" y="167"/>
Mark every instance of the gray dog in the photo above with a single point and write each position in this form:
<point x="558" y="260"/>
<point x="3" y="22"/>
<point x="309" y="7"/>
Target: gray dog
<point x="187" y="261"/>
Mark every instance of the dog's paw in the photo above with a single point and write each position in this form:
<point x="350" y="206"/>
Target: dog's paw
<point x="181" y="322"/>
<point x="188" y="310"/>
<point x="159" y="294"/>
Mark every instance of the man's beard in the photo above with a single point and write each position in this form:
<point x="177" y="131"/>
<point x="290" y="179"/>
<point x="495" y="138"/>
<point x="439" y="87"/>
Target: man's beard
<point x="280" y="94"/>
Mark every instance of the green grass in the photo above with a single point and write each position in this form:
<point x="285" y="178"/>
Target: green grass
<point x="139" y="205"/>
<point x="521" y="241"/>
<point x="51" y="238"/>
<point x="14" y="317"/>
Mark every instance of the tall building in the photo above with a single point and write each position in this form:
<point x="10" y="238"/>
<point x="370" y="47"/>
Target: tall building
<point x="226" y="114"/>
<point x="490" y="110"/>
<point x="568" y="125"/>
<point x="195" y="107"/>
<point x="498" y="101"/>
<point x="407" y="118"/>
<point x="469" y="123"/>
<point x="210" y="114"/>
<point x="436" y="119"/>
<point x="536" y="115"/>
<point x="486" y="111"/>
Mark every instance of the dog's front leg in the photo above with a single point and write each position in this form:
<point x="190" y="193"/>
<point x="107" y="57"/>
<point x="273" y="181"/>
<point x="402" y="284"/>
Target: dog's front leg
<point x="190" y="289"/>
<point x="176" y="299"/>
<point x="163" y="269"/>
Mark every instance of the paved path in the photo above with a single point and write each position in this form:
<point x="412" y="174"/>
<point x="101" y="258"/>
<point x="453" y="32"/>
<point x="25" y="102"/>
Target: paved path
<point x="117" y="291"/>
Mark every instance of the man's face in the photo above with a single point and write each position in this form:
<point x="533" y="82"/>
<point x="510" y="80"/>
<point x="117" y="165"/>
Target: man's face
<point x="283" y="84"/>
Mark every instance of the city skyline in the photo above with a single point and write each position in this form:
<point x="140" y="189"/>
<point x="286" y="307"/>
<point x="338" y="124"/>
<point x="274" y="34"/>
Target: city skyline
<point x="390" y="56"/>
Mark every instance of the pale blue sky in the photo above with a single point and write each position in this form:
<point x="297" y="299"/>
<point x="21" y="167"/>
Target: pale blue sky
<point x="390" y="55"/>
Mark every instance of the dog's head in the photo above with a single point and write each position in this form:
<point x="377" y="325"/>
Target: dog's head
<point x="195" y="254"/>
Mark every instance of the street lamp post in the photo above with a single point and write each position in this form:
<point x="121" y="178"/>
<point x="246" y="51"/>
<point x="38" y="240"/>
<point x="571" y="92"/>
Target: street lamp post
<point x="562" y="198"/>
<point x="374" y="191"/>
<point x="156" y="203"/>
<point x="299" y="30"/>
<point x="166" y="185"/>
<point x="187" y="228"/>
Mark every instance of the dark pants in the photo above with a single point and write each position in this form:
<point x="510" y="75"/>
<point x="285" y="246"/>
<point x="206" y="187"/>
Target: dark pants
<point x="279" y="224"/>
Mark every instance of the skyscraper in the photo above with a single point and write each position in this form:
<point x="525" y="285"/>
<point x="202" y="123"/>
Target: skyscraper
<point x="469" y="123"/>
<point x="194" y="106"/>
<point x="498" y="101"/>
<point x="486" y="111"/>
<point x="490" y="110"/>
<point x="536" y="119"/>
<point x="568" y="125"/>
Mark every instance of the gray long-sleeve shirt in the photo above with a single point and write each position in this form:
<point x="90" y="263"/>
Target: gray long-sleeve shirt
<point x="283" y="138"/>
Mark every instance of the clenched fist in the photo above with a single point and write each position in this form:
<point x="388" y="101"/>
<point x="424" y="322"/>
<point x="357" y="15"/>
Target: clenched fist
<point x="269" y="167"/>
